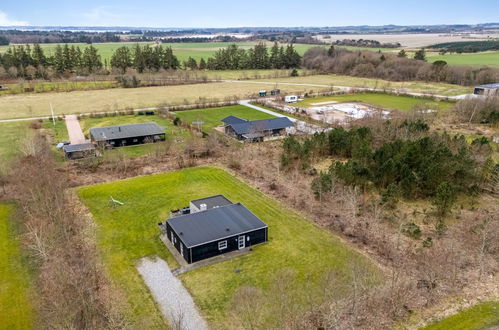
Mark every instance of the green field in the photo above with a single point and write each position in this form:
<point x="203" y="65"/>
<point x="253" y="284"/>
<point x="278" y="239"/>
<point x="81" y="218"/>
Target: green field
<point x="402" y="103"/>
<point x="15" y="309"/>
<point x="11" y="138"/>
<point x="212" y="117"/>
<point x="129" y="232"/>
<point x="480" y="317"/>
<point x="472" y="59"/>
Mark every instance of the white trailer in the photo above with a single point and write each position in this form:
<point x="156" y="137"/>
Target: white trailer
<point x="291" y="99"/>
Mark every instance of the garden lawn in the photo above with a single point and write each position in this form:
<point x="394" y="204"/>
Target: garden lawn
<point x="402" y="103"/>
<point x="482" y="316"/>
<point x="127" y="233"/>
<point x="212" y="117"/>
<point x="15" y="308"/>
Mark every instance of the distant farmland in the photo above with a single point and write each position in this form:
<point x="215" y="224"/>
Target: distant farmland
<point x="483" y="58"/>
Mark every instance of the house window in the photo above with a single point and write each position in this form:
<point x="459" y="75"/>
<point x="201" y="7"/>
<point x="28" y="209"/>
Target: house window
<point x="172" y="238"/>
<point x="135" y="140"/>
<point x="182" y="250"/>
<point x="222" y="245"/>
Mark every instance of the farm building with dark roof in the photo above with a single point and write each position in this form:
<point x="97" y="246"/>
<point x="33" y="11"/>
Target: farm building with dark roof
<point x="81" y="150"/>
<point x="215" y="226"/>
<point x="487" y="90"/>
<point x="123" y="135"/>
<point x="256" y="130"/>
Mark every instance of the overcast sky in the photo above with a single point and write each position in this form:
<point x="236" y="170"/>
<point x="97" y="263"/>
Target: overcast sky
<point x="225" y="13"/>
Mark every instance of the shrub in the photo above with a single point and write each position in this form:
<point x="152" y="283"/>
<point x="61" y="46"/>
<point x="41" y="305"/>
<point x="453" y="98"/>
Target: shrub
<point x="412" y="230"/>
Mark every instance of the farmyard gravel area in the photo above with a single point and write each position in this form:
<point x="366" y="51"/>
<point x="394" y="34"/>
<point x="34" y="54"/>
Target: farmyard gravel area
<point x="174" y="300"/>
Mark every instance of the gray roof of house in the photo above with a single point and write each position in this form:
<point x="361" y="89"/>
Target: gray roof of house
<point x="211" y="202"/>
<point x="125" y="131"/>
<point x="496" y="85"/>
<point x="215" y="224"/>
<point x="68" y="148"/>
<point x="233" y="120"/>
<point x="261" y="125"/>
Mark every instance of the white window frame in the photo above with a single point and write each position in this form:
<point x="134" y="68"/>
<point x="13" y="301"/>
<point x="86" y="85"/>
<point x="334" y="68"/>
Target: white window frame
<point x="222" y="245"/>
<point x="181" y="249"/>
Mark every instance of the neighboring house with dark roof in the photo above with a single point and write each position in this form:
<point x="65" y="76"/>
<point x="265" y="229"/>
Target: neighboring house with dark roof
<point x="487" y="90"/>
<point x="81" y="150"/>
<point x="124" y="135"/>
<point x="219" y="227"/>
<point x="256" y="130"/>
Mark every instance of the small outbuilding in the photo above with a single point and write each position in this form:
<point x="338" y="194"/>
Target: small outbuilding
<point x="275" y="92"/>
<point x="256" y="130"/>
<point x="213" y="227"/>
<point x="262" y="93"/>
<point x="124" y="135"/>
<point x="487" y="90"/>
<point x="78" y="151"/>
<point x="291" y="99"/>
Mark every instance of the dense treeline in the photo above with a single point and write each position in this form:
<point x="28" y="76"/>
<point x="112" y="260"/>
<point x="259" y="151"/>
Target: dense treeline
<point x="394" y="67"/>
<point x="366" y="43"/>
<point x="32" y="62"/>
<point x="46" y="37"/>
<point x="467" y="46"/>
<point x="258" y="57"/>
<point x="416" y="167"/>
<point x="144" y="58"/>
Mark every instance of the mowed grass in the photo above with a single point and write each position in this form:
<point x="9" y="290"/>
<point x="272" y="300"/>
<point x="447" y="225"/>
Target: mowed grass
<point x="337" y="80"/>
<point x="15" y="309"/>
<point x="19" y="106"/>
<point x="482" y="316"/>
<point x="212" y="117"/>
<point x="129" y="232"/>
<point x="389" y="101"/>
<point x="472" y="59"/>
<point x="12" y="135"/>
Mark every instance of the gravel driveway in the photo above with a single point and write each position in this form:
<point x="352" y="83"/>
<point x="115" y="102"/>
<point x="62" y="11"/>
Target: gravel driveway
<point x="74" y="129"/>
<point x="169" y="293"/>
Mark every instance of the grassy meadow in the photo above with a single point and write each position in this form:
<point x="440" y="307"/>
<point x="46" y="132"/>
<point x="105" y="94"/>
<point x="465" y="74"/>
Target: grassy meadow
<point x="12" y="135"/>
<point x="402" y="103"/>
<point x="482" y="316"/>
<point x="130" y="232"/>
<point x="19" y="106"/>
<point x="15" y="309"/>
<point x="212" y="117"/>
